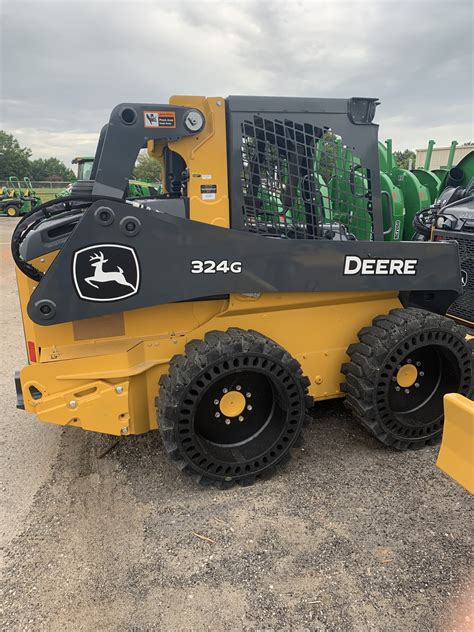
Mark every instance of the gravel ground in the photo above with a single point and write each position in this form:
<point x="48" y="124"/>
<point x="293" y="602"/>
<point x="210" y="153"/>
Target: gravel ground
<point x="347" y="536"/>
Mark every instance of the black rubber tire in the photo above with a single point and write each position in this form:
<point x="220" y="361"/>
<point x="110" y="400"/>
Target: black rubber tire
<point x="191" y="435"/>
<point x="373" y="392"/>
<point x="12" y="206"/>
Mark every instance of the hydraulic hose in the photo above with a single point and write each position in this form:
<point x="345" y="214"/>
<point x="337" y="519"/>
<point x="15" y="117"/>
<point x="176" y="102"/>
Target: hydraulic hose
<point x="74" y="204"/>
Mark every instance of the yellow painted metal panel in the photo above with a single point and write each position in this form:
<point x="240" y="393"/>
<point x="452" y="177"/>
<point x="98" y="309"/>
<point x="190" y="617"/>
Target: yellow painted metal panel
<point x="456" y="456"/>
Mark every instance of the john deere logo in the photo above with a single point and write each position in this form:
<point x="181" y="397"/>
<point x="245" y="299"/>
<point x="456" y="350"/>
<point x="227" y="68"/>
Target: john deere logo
<point x="106" y="272"/>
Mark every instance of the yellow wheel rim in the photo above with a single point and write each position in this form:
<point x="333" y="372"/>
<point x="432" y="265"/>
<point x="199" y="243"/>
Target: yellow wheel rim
<point x="232" y="404"/>
<point x="11" y="211"/>
<point x="407" y="375"/>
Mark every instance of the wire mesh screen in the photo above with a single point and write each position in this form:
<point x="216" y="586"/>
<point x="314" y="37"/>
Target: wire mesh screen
<point x="300" y="181"/>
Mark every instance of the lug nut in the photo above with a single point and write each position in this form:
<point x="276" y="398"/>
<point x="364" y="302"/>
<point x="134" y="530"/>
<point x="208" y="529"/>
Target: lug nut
<point x="417" y="385"/>
<point x="248" y="395"/>
<point x="394" y="379"/>
<point x="217" y="415"/>
<point x="216" y="402"/>
<point x="409" y="361"/>
<point x="72" y="403"/>
<point x="418" y="363"/>
<point x="249" y="407"/>
<point x="397" y="388"/>
<point x="119" y="389"/>
<point x="407" y="391"/>
<point x="225" y="390"/>
<point x="241" y="418"/>
<point x="422" y="373"/>
<point x="227" y="422"/>
<point x="124" y="430"/>
<point x="238" y="387"/>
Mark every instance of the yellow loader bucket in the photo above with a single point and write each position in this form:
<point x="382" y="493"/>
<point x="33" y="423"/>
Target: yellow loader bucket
<point x="456" y="456"/>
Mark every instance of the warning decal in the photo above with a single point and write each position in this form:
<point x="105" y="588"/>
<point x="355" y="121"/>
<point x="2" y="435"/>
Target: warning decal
<point x="159" y="119"/>
<point x="208" y="191"/>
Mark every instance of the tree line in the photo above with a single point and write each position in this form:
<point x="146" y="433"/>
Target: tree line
<point x="17" y="161"/>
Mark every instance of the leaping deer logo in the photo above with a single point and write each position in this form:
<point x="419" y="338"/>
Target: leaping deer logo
<point x="97" y="261"/>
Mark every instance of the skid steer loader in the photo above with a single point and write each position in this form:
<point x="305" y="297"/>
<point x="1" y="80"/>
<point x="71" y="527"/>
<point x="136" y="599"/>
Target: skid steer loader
<point x="218" y="322"/>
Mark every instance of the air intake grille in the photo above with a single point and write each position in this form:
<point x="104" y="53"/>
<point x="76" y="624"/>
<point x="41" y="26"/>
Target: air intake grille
<point x="463" y="307"/>
<point x="301" y="182"/>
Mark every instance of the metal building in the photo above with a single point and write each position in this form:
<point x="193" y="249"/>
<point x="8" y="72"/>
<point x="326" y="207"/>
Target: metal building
<point x="440" y="155"/>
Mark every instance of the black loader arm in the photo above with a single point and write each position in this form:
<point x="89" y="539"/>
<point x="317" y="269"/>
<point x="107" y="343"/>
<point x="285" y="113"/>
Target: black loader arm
<point x="130" y="126"/>
<point x="121" y="257"/>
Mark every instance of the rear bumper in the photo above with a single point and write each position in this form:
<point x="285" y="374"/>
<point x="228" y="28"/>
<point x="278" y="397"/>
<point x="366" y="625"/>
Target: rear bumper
<point x="20" y="402"/>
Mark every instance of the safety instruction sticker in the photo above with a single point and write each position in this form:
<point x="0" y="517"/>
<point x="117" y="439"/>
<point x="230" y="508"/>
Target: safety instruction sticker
<point x="155" y="118"/>
<point x="208" y="191"/>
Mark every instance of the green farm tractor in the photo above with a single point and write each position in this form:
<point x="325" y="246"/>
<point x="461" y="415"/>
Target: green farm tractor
<point x="16" y="200"/>
<point x="84" y="169"/>
<point x="136" y="188"/>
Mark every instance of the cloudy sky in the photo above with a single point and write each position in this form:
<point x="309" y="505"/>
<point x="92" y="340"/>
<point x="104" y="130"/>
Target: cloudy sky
<point x="65" y="64"/>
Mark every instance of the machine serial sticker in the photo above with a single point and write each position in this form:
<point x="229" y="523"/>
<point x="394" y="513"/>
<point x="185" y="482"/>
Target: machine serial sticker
<point x="208" y="191"/>
<point x="155" y="118"/>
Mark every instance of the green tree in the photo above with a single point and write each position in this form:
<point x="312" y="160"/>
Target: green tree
<point x="14" y="160"/>
<point x="147" y="168"/>
<point x="50" y="169"/>
<point x="402" y="158"/>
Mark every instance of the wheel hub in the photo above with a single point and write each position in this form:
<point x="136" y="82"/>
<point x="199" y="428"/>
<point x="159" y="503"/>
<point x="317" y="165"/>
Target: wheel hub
<point x="232" y="404"/>
<point x="407" y="375"/>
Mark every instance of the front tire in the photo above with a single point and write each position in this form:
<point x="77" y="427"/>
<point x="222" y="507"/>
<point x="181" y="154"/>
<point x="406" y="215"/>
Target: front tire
<point x="12" y="211"/>
<point x="231" y="407"/>
<point x="400" y="371"/>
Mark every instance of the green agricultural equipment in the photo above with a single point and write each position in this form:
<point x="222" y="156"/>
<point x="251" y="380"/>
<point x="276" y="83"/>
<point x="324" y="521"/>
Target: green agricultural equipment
<point x="84" y="167"/>
<point x="348" y="187"/>
<point x="427" y="178"/>
<point x="348" y="190"/>
<point x="281" y="194"/>
<point x="416" y="196"/>
<point x="142" y="189"/>
<point x="393" y="208"/>
<point x="136" y="188"/>
<point x="442" y="172"/>
<point x="15" y="201"/>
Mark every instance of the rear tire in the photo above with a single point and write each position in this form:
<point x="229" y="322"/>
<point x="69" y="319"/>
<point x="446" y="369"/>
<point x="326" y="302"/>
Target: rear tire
<point x="231" y="407"/>
<point x="399" y="372"/>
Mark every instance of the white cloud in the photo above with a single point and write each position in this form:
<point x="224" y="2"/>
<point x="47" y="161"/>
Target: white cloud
<point x="71" y="62"/>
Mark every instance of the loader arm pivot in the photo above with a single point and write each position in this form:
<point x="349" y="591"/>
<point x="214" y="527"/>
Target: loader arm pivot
<point x="130" y="127"/>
